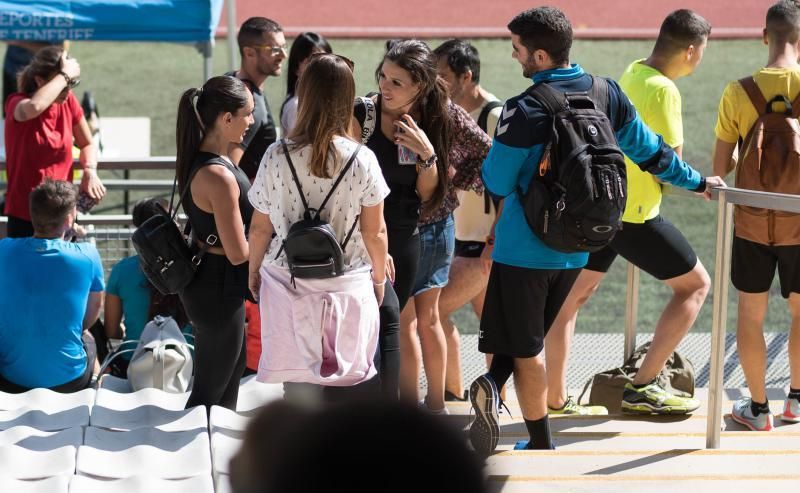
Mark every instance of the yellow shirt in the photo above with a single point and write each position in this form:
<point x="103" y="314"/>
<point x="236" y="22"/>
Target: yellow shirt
<point x="658" y="103"/>
<point x="737" y="114"/>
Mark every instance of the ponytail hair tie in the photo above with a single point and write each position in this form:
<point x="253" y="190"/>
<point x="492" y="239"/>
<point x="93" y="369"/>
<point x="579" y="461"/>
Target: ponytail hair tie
<point x="195" y="98"/>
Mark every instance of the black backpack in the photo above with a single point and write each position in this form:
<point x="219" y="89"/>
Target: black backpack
<point x="312" y="249"/>
<point x="165" y="256"/>
<point x="577" y="195"/>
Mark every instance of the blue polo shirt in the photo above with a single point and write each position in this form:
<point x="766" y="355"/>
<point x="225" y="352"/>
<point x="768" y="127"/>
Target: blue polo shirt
<point x="45" y="285"/>
<point x="523" y="130"/>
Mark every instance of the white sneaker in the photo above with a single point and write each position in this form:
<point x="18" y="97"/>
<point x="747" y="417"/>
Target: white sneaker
<point x="791" y="411"/>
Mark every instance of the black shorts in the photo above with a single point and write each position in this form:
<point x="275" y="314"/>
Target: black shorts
<point x="753" y="267"/>
<point x="469" y="249"/>
<point x="519" y="308"/>
<point x="656" y="246"/>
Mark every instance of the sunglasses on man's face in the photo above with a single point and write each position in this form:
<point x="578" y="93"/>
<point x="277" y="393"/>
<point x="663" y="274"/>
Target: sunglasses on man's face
<point x="273" y="50"/>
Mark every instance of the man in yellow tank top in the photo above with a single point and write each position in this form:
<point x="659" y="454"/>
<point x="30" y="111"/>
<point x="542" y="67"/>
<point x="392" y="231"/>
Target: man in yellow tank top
<point x="647" y="239"/>
<point x="753" y="264"/>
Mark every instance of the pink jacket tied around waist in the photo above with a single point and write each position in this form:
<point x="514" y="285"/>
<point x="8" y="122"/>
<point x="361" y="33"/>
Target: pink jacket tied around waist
<point x="324" y="331"/>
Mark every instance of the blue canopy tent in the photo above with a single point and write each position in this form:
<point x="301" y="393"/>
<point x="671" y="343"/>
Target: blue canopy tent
<point x="180" y="21"/>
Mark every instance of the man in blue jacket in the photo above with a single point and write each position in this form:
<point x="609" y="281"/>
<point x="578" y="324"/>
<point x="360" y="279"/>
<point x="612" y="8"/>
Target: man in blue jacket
<point x="529" y="281"/>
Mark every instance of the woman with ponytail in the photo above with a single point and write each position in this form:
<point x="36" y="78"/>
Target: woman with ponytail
<point x="210" y="118"/>
<point x="426" y="146"/>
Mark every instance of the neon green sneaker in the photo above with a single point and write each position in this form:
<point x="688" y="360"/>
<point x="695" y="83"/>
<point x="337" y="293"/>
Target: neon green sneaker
<point x="653" y="399"/>
<point x="573" y="408"/>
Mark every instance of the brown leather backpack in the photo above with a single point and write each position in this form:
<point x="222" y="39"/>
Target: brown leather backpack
<point x="769" y="161"/>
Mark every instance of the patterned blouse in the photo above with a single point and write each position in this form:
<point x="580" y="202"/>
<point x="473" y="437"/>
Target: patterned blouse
<point x="469" y="148"/>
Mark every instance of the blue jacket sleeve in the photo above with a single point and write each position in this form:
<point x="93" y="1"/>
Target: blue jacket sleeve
<point x="515" y="150"/>
<point x="648" y="150"/>
<point x="502" y="168"/>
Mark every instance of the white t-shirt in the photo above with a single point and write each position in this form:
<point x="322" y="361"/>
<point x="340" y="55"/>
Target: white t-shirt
<point x="289" y="115"/>
<point x="472" y="221"/>
<point x="274" y="193"/>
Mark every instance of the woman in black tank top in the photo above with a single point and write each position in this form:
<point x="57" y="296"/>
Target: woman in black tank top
<point x="412" y="139"/>
<point x="210" y="118"/>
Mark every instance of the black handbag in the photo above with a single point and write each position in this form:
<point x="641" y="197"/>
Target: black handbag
<point x="165" y="255"/>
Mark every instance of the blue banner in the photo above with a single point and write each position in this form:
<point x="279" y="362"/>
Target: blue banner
<point x="109" y="20"/>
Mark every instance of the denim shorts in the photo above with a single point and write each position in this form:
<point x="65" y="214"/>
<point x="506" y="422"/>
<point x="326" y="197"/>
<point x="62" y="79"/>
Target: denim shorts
<point x="437" y="242"/>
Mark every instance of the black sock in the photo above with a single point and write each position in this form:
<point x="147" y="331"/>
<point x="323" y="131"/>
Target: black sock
<point x="794" y="393"/>
<point x="539" y="432"/>
<point x="759" y="408"/>
<point x="638" y="387"/>
<point x="501" y="369"/>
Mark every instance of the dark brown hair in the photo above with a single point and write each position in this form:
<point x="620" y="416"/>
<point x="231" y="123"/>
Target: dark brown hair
<point x="783" y="22"/>
<point x="681" y="29"/>
<point x="45" y="64"/>
<point x="544" y="28"/>
<point x="252" y="31"/>
<point x="325" y="93"/>
<point x="50" y="203"/>
<point x="197" y="113"/>
<point x="432" y="104"/>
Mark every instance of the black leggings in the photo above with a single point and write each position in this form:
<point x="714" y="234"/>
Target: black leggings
<point x="214" y="302"/>
<point x="404" y="249"/>
<point x="387" y="359"/>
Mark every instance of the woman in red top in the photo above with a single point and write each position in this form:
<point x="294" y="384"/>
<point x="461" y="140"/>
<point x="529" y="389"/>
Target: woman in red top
<point x="42" y="121"/>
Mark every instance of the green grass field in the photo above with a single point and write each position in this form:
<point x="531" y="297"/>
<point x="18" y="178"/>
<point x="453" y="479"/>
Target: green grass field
<point x="139" y="79"/>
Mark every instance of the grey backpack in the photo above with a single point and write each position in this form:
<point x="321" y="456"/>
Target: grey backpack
<point x="163" y="358"/>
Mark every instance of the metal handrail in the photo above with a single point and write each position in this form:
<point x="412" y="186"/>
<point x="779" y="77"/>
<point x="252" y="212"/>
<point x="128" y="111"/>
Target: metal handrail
<point x="144" y="163"/>
<point x="726" y="198"/>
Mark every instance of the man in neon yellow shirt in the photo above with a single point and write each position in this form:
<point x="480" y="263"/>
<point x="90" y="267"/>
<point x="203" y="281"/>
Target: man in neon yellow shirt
<point x="753" y="264"/>
<point x="647" y="240"/>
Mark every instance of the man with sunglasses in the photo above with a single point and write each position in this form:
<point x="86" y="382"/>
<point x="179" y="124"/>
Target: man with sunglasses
<point x="262" y="47"/>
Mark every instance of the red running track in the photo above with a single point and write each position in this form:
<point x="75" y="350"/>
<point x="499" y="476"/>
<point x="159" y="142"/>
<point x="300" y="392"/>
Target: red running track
<point x="476" y="18"/>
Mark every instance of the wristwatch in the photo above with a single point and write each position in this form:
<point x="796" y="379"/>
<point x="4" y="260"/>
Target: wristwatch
<point x="427" y="163"/>
<point x="66" y="78"/>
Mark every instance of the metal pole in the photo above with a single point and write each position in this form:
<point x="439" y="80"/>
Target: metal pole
<point x="232" y="47"/>
<point x="719" y="319"/>
<point x="208" y="61"/>
<point x="631" y="310"/>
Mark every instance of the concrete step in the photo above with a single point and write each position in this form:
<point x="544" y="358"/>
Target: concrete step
<point x="657" y="464"/>
<point x="655" y="485"/>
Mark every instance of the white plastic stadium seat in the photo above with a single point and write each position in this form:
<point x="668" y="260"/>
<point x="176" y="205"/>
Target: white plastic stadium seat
<point x="56" y="484"/>
<point x="141" y="484"/>
<point x="223" y="448"/>
<point x="225" y="419"/>
<point x="192" y="460"/>
<point x="117" y="441"/>
<point x="145" y="397"/>
<point x="42" y="420"/>
<point x="20" y="463"/>
<point x="46" y="400"/>
<point x="41" y="441"/>
<point x="222" y="483"/>
<point x="254" y="394"/>
<point x="148" y="416"/>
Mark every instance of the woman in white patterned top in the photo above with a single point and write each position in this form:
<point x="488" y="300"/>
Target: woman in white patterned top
<point x="319" y="146"/>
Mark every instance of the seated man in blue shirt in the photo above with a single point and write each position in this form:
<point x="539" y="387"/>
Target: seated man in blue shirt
<point x="530" y="281"/>
<point x="52" y="293"/>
